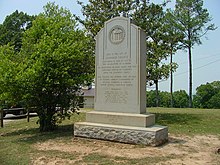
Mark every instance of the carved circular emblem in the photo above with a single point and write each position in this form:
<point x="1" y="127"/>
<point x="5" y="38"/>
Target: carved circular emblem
<point x="117" y="34"/>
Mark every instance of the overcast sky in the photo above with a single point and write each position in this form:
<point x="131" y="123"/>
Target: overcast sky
<point x="206" y="57"/>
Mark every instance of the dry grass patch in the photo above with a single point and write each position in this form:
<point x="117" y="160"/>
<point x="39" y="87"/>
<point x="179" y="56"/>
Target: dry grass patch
<point x="179" y="150"/>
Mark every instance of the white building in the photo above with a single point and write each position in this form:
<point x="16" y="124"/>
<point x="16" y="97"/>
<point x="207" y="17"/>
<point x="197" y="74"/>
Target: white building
<point x="88" y="97"/>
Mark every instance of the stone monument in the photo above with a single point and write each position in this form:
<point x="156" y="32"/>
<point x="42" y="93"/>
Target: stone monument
<point x="120" y="92"/>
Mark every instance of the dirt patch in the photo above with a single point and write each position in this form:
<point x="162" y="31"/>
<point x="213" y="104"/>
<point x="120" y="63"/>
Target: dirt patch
<point x="179" y="150"/>
<point x="44" y="160"/>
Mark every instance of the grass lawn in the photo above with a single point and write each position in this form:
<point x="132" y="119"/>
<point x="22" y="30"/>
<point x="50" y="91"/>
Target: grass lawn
<point x="18" y="139"/>
<point x="189" y="121"/>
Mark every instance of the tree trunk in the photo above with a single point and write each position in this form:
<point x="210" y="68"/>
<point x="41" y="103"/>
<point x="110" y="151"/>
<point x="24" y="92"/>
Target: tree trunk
<point x="190" y="77"/>
<point x="171" y="78"/>
<point x="157" y="93"/>
<point x="46" y="121"/>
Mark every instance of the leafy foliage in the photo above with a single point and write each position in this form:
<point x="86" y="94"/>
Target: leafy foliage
<point x="193" y="20"/>
<point x="151" y="19"/>
<point x="9" y="88"/>
<point x="98" y="12"/>
<point x="151" y="98"/>
<point x="58" y="63"/>
<point x="173" y="39"/>
<point x="180" y="99"/>
<point x="13" y="28"/>
<point x="164" y="99"/>
<point x="54" y="62"/>
<point x="207" y="95"/>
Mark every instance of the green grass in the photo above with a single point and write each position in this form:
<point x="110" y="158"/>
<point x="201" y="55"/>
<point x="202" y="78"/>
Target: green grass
<point x="189" y="121"/>
<point x="95" y="158"/>
<point x="17" y="139"/>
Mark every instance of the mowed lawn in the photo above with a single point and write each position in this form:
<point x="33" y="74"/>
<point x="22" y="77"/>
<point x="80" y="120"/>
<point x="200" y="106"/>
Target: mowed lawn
<point x="189" y="121"/>
<point x="22" y="143"/>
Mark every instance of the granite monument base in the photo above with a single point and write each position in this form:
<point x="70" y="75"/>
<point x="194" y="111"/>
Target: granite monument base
<point x="116" y="118"/>
<point x="122" y="127"/>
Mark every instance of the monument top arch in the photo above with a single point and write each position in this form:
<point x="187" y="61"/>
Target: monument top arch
<point x="120" y="67"/>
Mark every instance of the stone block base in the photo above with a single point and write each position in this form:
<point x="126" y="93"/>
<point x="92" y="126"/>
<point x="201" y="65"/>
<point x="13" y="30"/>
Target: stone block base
<point x="125" y="119"/>
<point x="154" y="135"/>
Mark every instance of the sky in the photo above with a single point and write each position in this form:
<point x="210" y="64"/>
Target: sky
<point x="206" y="57"/>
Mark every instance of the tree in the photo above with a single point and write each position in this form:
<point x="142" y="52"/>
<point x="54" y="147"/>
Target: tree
<point x="173" y="39"/>
<point x="203" y="94"/>
<point x="207" y="95"/>
<point x="214" y="102"/>
<point x="151" y="18"/>
<point x="164" y="99"/>
<point x="151" y="98"/>
<point x="193" y="22"/>
<point x="55" y="64"/>
<point x="98" y="12"/>
<point x="181" y="99"/>
<point x="13" y="28"/>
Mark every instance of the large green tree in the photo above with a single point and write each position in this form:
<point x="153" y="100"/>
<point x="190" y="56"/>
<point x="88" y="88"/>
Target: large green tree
<point x="13" y="28"/>
<point x="55" y="63"/>
<point x="207" y="95"/>
<point x="194" y="22"/>
<point x="173" y="39"/>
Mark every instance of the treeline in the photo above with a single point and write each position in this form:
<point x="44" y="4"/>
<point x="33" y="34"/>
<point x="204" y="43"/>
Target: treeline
<point x="207" y="96"/>
<point x="180" y="99"/>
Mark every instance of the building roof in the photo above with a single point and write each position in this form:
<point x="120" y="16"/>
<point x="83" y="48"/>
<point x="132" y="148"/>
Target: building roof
<point x="89" y="92"/>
